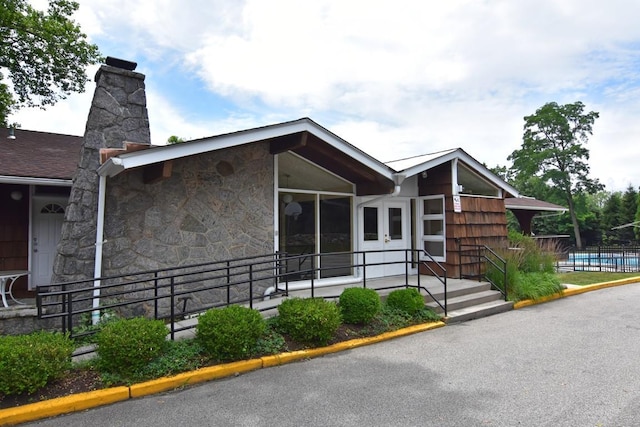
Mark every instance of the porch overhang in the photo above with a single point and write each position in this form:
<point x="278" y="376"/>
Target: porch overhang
<point x="526" y="208"/>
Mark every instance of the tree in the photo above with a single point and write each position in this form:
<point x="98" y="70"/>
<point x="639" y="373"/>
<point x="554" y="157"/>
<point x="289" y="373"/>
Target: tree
<point x="612" y="217"/>
<point x="629" y="209"/>
<point x="173" y="139"/>
<point x="43" y="55"/>
<point x="553" y="150"/>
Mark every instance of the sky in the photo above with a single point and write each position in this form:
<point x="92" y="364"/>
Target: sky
<point x="394" y="78"/>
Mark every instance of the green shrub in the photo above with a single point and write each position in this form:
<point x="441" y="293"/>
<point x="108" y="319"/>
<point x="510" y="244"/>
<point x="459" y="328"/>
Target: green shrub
<point x="408" y="300"/>
<point x="534" y="286"/>
<point x="230" y="333"/>
<point x="359" y="305"/>
<point x="311" y="321"/>
<point x="29" y="362"/>
<point x="127" y="345"/>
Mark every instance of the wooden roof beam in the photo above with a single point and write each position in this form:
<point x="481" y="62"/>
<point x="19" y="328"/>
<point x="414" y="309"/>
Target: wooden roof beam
<point x="157" y="172"/>
<point x="288" y="143"/>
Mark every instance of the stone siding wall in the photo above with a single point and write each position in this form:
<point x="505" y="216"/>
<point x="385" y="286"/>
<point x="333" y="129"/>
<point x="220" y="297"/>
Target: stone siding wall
<point x="214" y="207"/>
<point x="118" y="113"/>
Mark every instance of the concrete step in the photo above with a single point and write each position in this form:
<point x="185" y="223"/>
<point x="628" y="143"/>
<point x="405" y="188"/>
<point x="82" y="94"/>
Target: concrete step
<point x="467" y="300"/>
<point x="456" y="290"/>
<point x="478" y="311"/>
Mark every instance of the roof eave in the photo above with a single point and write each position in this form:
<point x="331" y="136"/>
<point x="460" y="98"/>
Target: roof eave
<point x="462" y="155"/>
<point x="117" y="164"/>
<point x="27" y="180"/>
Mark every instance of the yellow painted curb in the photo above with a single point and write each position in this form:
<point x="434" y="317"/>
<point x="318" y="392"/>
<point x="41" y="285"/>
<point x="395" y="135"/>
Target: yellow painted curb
<point x="62" y="405"/>
<point x="577" y="291"/>
<point x="280" y="359"/>
<point x="81" y="401"/>
<point x="200" y="375"/>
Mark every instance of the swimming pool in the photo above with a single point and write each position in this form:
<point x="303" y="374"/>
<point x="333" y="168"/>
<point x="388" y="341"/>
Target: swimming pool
<point x="604" y="261"/>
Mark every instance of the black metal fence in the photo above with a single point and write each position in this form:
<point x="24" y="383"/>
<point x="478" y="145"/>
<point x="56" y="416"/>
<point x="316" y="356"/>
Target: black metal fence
<point x="601" y="258"/>
<point x="174" y="294"/>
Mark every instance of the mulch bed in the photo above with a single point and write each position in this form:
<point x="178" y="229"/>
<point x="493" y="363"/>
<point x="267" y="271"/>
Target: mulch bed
<point x="83" y="380"/>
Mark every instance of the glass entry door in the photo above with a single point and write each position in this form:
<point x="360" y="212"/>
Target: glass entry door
<point x="385" y="233"/>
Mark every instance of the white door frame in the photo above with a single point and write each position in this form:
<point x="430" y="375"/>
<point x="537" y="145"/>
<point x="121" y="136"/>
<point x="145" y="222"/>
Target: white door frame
<point x="384" y="241"/>
<point x="37" y="203"/>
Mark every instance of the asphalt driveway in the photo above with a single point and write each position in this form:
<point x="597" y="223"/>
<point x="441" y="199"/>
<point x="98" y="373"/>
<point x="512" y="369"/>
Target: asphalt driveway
<point x="570" y="362"/>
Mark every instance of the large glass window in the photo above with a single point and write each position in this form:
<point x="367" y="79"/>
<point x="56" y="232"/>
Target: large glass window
<point x="315" y="216"/>
<point x="470" y="183"/>
<point x="433" y="226"/>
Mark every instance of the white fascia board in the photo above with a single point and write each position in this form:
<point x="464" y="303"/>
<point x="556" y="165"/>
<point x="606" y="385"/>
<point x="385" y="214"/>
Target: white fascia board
<point x="429" y="164"/>
<point x="473" y="163"/>
<point x="26" y="180"/>
<point x="117" y="164"/>
<point x="536" y="208"/>
<point x="350" y="150"/>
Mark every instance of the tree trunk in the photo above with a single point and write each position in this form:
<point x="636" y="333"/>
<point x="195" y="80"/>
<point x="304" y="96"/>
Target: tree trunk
<point x="574" y="220"/>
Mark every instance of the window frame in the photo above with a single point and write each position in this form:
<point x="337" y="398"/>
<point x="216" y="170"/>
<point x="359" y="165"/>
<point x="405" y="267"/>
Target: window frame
<point x="438" y="238"/>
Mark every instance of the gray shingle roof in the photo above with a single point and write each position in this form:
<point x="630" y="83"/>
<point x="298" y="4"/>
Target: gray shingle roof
<point x="39" y="154"/>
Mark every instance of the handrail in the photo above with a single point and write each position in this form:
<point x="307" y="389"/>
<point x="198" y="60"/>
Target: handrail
<point x="442" y="279"/>
<point x="163" y="294"/>
<point x="497" y="262"/>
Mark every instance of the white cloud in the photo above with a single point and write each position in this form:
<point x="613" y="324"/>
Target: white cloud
<point x="393" y="78"/>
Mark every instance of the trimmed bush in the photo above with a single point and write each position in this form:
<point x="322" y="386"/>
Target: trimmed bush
<point x="311" y="321"/>
<point x="408" y="300"/>
<point x="127" y="345"/>
<point x="29" y="362"/>
<point x="359" y="305"/>
<point x="230" y="333"/>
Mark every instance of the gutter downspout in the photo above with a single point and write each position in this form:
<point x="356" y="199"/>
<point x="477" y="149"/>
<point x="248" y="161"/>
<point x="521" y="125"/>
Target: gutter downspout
<point x="97" y="272"/>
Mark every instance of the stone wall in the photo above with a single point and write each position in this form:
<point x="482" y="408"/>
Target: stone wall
<point x="214" y="207"/>
<point x="23" y="319"/>
<point x="118" y="113"/>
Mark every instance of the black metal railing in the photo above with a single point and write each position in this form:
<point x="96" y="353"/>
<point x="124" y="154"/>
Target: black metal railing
<point x="601" y="258"/>
<point x="441" y="276"/>
<point x="175" y="294"/>
<point x="480" y="262"/>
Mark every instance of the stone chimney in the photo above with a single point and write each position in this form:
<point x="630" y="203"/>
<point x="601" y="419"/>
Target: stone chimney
<point x="118" y="113"/>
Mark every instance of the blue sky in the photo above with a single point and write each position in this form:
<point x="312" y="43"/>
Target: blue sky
<point x="394" y="78"/>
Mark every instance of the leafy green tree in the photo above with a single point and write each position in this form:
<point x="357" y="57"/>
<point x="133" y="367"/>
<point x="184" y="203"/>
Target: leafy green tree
<point x="43" y="55"/>
<point x="611" y="218"/>
<point x="629" y="209"/>
<point x="636" y="227"/>
<point x="553" y="150"/>
<point x="173" y="139"/>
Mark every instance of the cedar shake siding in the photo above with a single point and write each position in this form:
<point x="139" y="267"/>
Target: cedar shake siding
<point x="482" y="221"/>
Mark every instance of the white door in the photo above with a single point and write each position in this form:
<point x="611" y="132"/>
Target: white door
<point x="48" y="215"/>
<point x="384" y="232"/>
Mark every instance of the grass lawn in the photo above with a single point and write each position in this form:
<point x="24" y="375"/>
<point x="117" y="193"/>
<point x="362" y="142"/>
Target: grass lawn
<point x="582" y="278"/>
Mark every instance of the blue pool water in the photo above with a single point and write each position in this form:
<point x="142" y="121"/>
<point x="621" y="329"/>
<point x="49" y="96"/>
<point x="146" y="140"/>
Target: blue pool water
<point x="606" y="259"/>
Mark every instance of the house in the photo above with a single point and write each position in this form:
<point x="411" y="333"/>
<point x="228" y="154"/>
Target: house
<point x="36" y="171"/>
<point x="292" y="187"/>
